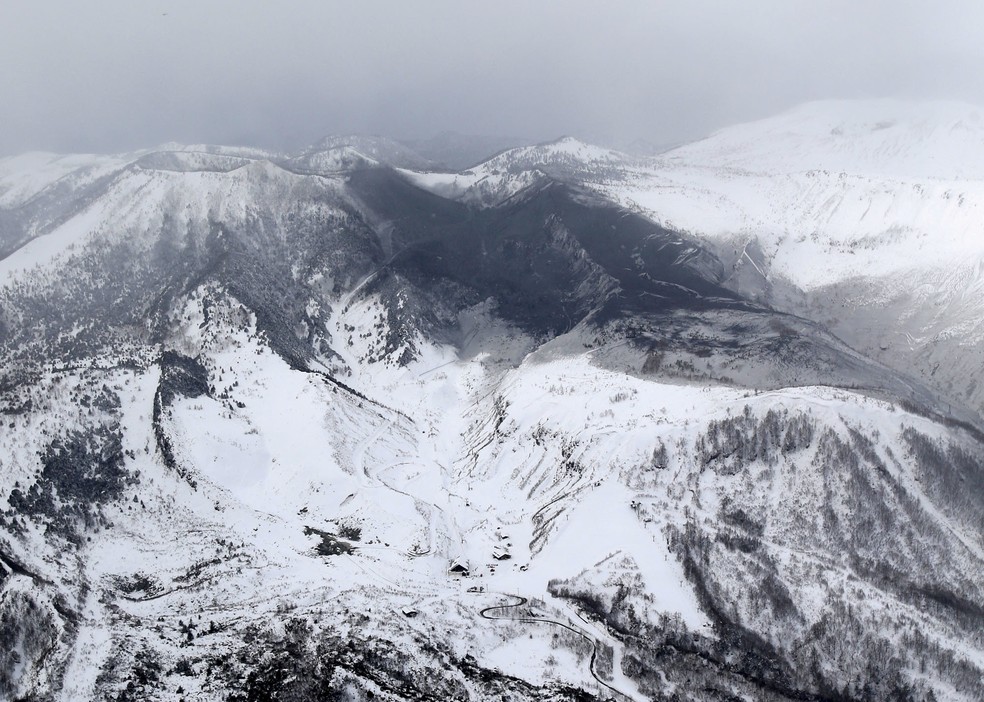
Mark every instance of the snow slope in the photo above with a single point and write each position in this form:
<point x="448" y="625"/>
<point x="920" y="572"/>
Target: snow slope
<point x="829" y="211"/>
<point x="846" y="204"/>
<point x="23" y="177"/>
<point x="892" y="138"/>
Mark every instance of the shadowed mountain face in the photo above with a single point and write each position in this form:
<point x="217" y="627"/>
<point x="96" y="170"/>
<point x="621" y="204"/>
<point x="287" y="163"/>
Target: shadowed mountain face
<point x="550" y="259"/>
<point x="554" y="257"/>
<point x="291" y="429"/>
<point x="550" y="256"/>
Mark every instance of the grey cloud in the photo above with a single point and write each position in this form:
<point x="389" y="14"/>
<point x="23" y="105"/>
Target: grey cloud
<point x="110" y="75"/>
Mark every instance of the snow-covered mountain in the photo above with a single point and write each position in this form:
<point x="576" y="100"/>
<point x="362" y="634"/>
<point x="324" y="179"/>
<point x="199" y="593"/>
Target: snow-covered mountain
<point x="455" y="151"/>
<point x="830" y="211"/>
<point x="864" y="215"/>
<point x="333" y="425"/>
<point x="374" y="149"/>
<point x="496" y="180"/>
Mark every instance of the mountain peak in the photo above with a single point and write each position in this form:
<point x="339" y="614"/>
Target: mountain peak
<point x="555" y="157"/>
<point x="377" y="149"/>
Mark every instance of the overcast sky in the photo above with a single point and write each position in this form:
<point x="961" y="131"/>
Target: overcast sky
<point x="110" y="75"/>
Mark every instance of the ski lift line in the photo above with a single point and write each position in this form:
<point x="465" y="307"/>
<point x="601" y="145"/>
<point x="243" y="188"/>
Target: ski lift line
<point x="435" y="368"/>
<point x="371" y="572"/>
<point x="744" y="253"/>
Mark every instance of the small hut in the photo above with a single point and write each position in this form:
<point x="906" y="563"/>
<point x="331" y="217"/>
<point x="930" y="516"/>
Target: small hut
<point x="459" y="566"/>
<point x="499" y="553"/>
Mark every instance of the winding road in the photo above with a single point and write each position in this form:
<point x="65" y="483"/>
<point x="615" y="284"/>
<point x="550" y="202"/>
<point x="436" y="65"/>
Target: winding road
<point x="520" y="601"/>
